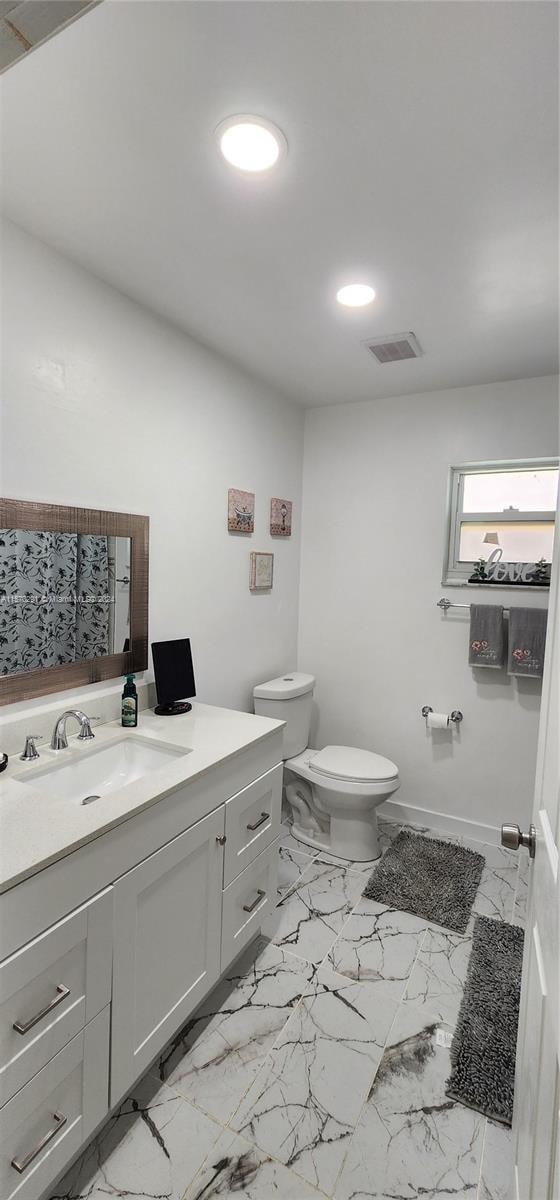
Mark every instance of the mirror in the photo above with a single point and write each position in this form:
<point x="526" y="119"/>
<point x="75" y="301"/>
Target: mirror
<point x="65" y="597"/>
<point x="73" y="597"/>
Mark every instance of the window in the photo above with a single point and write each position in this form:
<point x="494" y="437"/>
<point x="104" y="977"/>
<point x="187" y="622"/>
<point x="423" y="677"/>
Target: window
<point x="507" y="508"/>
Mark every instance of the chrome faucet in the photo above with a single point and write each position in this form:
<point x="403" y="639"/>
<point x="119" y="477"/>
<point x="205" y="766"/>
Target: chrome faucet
<point x="59" y="740"/>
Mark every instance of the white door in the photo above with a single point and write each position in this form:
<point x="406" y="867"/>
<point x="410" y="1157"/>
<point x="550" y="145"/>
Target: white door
<point x="167" y="946"/>
<point x="537" y="1088"/>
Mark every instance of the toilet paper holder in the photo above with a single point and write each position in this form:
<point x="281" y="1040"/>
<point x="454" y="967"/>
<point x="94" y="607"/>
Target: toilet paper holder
<point x="456" y="716"/>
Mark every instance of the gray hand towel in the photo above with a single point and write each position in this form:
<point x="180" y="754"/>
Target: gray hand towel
<point x="527" y="637"/>
<point x="487" y="637"/>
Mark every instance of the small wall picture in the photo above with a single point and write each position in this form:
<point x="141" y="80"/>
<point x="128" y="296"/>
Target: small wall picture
<point x="241" y="511"/>
<point x="280" y="517"/>
<point x="262" y="568"/>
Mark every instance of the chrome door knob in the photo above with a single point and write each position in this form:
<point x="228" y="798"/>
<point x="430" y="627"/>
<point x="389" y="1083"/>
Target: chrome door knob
<point x="513" y="838"/>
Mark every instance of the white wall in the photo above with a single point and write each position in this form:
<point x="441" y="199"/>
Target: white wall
<point x="106" y="406"/>
<point x="375" y="479"/>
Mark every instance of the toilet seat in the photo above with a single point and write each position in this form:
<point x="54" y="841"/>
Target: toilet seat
<point x="353" y="766"/>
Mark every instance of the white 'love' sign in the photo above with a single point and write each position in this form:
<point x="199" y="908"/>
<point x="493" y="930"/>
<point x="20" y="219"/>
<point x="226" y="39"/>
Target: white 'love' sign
<point x="498" y="572"/>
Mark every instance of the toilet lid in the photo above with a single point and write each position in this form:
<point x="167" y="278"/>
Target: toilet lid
<point x="355" y="766"/>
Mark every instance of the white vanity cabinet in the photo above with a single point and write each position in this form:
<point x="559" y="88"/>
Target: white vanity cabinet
<point x="168" y="913"/>
<point x="109" y="949"/>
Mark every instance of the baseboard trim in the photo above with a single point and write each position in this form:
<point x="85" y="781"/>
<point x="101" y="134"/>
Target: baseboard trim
<point x="425" y="818"/>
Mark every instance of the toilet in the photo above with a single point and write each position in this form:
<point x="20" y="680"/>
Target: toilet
<point x="333" y="793"/>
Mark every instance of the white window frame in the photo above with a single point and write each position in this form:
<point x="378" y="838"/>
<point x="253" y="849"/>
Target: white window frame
<point x="456" y="572"/>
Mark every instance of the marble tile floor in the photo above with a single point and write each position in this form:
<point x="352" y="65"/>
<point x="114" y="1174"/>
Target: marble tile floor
<point x="317" y="1067"/>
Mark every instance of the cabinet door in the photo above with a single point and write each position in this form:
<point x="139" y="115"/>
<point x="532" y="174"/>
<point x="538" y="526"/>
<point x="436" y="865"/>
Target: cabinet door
<point x="167" y="946"/>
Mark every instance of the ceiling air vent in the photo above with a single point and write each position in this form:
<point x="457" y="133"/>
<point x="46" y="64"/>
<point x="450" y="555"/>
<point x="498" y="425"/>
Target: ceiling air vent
<point x="394" y="349"/>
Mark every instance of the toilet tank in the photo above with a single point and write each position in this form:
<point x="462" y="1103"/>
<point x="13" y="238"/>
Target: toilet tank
<point x="288" y="699"/>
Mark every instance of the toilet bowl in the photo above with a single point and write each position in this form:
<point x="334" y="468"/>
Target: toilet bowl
<point x="333" y="793"/>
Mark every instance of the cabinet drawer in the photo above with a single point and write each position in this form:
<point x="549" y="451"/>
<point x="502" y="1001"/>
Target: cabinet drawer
<point x="247" y="901"/>
<point x="51" y="988"/>
<point x="45" y="1124"/>
<point x="252" y="822"/>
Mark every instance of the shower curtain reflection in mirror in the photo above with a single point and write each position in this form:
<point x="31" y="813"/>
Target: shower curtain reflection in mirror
<point x="57" y="598"/>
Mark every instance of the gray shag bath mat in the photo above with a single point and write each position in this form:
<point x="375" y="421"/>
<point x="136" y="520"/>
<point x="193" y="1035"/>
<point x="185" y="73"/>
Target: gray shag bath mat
<point x="426" y="877"/>
<point x="483" y="1049"/>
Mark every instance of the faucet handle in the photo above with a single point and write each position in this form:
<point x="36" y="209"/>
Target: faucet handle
<point x="30" y="750"/>
<point x="86" y="732"/>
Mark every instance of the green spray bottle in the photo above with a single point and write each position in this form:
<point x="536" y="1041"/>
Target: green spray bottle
<point x="130" y="703"/>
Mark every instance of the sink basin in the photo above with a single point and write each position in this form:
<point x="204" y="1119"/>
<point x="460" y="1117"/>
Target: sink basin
<point x="102" y="770"/>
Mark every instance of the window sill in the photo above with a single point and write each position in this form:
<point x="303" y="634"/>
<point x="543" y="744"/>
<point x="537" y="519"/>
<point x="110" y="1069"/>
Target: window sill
<point x="503" y="587"/>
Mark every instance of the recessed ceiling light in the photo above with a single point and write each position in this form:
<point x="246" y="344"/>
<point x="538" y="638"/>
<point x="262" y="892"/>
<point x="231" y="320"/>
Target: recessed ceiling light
<point x="250" y="143"/>
<point x="355" y="295"/>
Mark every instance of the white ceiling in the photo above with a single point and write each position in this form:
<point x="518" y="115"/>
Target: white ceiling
<point x="422" y="158"/>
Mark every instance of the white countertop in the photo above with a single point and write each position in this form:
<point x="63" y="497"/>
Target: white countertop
<point x="36" y="830"/>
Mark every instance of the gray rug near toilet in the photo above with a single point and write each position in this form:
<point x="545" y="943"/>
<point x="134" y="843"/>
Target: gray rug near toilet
<point x="484" y="1045"/>
<point x="429" y="878"/>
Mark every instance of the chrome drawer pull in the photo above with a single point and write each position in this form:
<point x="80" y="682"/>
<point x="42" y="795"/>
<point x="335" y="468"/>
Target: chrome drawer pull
<point x="263" y="817"/>
<point x="21" y="1164"/>
<point x="25" y="1026"/>
<point x="257" y="900"/>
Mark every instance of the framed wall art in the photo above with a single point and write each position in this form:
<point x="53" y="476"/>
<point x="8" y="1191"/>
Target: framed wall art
<point x="280" y="517"/>
<point x="241" y="511"/>
<point x="262" y="570"/>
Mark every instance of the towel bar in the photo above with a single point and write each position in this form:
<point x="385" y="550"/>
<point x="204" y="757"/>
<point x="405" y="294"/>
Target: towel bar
<point x="444" y="603"/>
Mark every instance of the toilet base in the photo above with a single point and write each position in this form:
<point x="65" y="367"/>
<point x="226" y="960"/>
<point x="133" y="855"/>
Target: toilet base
<point x="354" y="838"/>
<point x="301" y="836"/>
<point x="359" y="844"/>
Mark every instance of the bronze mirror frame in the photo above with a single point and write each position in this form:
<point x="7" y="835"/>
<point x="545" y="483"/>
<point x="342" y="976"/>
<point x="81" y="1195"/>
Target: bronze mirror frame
<point x="27" y="514"/>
